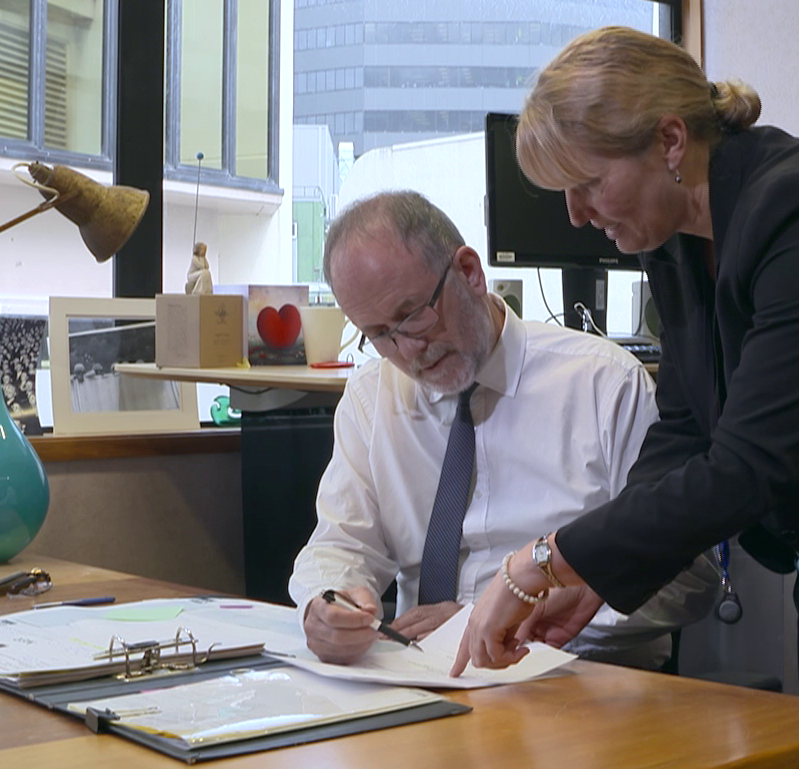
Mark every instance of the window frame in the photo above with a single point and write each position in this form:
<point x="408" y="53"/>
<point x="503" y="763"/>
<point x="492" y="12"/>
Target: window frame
<point x="226" y="176"/>
<point x="33" y="147"/>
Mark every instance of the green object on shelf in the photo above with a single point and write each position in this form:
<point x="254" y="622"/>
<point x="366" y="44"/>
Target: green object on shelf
<point x="222" y="414"/>
<point x="24" y="490"/>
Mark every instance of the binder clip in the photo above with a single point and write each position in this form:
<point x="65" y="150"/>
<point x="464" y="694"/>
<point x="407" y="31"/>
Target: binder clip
<point x="98" y="719"/>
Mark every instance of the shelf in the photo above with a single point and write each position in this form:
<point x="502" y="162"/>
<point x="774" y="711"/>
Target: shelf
<point x="300" y="378"/>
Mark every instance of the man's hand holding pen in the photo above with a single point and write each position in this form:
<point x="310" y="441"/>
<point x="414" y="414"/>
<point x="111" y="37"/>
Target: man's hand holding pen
<point x="336" y="634"/>
<point x="336" y="638"/>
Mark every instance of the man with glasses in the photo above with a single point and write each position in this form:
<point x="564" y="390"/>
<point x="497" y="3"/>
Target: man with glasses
<point x="558" y="418"/>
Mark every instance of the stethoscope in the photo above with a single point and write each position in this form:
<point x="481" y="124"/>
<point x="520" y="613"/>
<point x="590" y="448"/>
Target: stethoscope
<point x="729" y="608"/>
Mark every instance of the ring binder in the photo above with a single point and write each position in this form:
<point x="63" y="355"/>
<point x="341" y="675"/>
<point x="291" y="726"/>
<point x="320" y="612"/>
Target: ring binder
<point x="75" y="659"/>
<point x="151" y="661"/>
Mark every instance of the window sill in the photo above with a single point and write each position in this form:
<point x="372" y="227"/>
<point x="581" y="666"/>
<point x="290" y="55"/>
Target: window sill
<point x="63" y="448"/>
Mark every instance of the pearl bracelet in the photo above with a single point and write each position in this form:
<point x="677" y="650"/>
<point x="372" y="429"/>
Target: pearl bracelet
<point x="515" y="589"/>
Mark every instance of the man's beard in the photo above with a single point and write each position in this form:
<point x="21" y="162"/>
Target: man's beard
<point x="454" y="370"/>
<point x="449" y="376"/>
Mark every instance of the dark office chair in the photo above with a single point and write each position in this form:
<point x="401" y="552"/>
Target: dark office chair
<point x="749" y="679"/>
<point x="719" y="653"/>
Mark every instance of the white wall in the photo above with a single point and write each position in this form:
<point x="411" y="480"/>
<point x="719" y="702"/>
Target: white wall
<point x="756" y="41"/>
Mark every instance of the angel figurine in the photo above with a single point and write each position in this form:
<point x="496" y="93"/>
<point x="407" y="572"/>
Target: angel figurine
<point x="199" y="277"/>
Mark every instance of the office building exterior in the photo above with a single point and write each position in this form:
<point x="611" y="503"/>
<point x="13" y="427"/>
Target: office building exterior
<point x="382" y="72"/>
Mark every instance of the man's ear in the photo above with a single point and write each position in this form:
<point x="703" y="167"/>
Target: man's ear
<point x="467" y="262"/>
<point x="671" y="137"/>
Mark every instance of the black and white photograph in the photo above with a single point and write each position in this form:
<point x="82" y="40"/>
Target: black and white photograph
<point x="95" y="345"/>
<point x="20" y="347"/>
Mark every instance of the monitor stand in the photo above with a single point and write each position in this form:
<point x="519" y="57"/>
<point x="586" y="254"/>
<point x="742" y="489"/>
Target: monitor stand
<point x="588" y="285"/>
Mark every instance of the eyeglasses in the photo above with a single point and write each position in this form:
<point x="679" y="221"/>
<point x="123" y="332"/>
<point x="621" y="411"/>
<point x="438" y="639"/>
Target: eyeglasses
<point x="414" y="326"/>
<point x="33" y="582"/>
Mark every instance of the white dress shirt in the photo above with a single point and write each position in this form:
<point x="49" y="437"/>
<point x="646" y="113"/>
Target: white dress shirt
<point x="559" y="418"/>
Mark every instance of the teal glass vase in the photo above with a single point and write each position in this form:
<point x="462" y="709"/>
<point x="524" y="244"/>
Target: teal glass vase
<point x="24" y="490"/>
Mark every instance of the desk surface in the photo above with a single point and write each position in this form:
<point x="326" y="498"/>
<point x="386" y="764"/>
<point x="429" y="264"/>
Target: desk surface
<point x="279" y="377"/>
<point x="593" y="717"/>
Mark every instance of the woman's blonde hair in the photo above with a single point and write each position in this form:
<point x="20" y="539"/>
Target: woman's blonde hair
<point x="606" y="92"/>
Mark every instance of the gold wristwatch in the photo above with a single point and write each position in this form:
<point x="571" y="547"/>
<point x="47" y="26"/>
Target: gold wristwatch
<point x="542" y="557"/>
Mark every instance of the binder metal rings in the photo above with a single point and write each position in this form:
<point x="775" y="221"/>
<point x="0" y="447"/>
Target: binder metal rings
<point x="150" y="651"/>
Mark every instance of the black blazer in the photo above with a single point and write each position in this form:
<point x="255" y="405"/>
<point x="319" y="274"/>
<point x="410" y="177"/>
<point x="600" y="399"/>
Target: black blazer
<point x="724" y="458"/>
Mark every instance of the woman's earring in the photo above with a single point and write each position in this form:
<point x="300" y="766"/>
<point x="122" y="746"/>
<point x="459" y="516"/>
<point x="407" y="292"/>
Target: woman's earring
<point x="677" y="177"/>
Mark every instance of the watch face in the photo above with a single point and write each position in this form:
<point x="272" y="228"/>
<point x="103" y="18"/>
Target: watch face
<point x="541" y="552"/>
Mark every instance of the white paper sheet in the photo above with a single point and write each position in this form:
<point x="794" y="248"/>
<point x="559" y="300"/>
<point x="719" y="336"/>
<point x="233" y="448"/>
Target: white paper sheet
<point x="390" y="663"/>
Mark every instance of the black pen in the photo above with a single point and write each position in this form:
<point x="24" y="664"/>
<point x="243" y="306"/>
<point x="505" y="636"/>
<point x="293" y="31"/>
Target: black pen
<point x="332" y="596"/>
<point x="101" y="599"/>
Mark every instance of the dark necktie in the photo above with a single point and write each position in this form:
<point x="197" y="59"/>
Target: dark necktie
<point x="438" y="577"/>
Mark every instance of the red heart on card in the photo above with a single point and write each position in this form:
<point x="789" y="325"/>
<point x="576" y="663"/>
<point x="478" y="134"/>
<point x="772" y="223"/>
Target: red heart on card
<point x="279" y="329"/>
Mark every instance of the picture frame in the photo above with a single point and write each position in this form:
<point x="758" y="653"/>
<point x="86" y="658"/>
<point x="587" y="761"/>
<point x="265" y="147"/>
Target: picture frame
<point x="88" y="336"/>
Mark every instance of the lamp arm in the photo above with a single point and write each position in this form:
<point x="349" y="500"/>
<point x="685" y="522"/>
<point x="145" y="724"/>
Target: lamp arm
<point x="41" y="208"/>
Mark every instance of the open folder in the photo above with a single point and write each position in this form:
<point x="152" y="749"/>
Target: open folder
<point x="188" y="677"/>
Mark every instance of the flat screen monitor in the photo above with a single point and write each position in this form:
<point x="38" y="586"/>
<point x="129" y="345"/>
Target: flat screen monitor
<point x="529" y="227"/>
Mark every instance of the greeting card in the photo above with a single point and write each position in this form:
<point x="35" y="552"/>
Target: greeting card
<point x="274" y="330"/>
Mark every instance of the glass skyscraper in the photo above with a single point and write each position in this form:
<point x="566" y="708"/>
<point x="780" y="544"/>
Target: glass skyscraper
<point x="382" y="72"/>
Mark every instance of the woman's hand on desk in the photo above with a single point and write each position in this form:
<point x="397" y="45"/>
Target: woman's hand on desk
<point x="338" y="635"/>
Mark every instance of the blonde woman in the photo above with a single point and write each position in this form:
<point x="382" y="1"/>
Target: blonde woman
<point x="670" y="165"/>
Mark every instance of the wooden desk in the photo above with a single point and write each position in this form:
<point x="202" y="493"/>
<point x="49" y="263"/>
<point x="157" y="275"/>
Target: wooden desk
<point x="594" y="717"/>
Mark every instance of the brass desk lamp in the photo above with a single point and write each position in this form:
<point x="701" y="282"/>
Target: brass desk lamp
<point x="106" y="216"/>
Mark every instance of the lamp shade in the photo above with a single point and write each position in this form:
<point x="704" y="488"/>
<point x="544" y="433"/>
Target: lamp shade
<point x="106" y="216"/>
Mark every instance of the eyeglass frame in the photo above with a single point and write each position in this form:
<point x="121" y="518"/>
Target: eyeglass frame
<point x="390" y="332"/>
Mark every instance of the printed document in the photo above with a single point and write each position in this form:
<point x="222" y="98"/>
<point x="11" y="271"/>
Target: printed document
<point x="391" y="663"/>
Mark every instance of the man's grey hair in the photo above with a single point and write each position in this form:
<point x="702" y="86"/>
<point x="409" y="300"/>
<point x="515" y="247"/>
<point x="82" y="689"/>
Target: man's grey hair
<point x="423" y="228"/>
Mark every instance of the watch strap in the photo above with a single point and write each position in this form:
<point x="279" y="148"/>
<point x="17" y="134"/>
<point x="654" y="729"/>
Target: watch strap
<point x="542" y="557"/>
